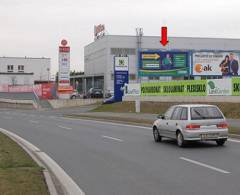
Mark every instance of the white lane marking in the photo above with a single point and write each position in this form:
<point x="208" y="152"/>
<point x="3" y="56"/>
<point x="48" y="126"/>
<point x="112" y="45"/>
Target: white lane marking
<point x="204" y="165"/>
<point x="110" y="123"/>
<point x="234" y="140"/>
<point x="68" y="128"/>
<point x="32" y="121"/>
<point x="112" y="138"/>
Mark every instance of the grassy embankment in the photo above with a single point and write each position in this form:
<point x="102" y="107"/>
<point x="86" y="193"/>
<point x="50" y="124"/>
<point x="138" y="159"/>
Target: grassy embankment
<point x="19" y="174"/>
<point x="230" y="110"/>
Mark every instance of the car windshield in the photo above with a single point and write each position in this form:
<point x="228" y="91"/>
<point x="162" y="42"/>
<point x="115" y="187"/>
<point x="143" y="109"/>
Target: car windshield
<point x="199" y="113"/>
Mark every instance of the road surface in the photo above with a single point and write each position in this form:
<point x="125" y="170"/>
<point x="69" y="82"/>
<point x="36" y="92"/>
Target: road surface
<point x="115" y="159"/>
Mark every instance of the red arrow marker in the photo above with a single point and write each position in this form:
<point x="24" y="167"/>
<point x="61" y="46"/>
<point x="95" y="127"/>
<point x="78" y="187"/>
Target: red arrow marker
<point x="164" y="41"/>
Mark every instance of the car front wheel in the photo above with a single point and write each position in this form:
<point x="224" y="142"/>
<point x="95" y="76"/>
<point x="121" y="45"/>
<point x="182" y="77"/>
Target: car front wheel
<point x="156" y="135"/>
<point x="180" y="139"/>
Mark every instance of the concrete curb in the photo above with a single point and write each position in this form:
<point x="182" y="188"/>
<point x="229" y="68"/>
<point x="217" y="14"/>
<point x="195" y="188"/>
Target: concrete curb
<point x="68" y="186"/>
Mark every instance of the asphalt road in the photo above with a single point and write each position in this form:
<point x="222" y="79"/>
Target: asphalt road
<point x="113" y="159"/>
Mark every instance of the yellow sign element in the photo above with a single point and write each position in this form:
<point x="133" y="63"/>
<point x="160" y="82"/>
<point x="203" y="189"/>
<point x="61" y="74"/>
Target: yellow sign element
<point x="150" y="56"/>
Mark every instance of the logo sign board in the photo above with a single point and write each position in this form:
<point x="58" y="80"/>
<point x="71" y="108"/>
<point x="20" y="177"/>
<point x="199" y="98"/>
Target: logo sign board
<point x="216" y="87"/>
<point x="99" y="31"/>
<point x="132" y="89"/>
<point x="163" y="63"/>
<point x="215" y="64"/>
<point x="121" y="63"/>
<point x="120" y="77"/>
<point x="175" y="88"/>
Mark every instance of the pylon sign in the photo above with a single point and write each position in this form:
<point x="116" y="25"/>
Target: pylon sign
<point x="64" y="88"/>
<point x="120" y="77"/>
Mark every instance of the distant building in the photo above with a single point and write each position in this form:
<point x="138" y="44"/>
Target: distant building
<point x="99" y="55"/>
<point x="24" y="70"/>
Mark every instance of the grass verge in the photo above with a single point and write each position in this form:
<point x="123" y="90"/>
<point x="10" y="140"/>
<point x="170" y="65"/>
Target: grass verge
<point x="19" y="174"/>
<point x="230" y="110"/>
<point x="232" y="130"/>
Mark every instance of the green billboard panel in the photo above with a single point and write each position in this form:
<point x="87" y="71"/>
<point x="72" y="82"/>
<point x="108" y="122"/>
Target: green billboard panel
<point x="236" y="86"/>
<point x="163" y="63"/>
<point x="175" y="88"/>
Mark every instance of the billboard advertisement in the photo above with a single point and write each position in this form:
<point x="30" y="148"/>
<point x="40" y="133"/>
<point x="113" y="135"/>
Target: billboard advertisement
<point x="220" y="87"/>
<point x="163" y="63"/>
<point x="175" y="88"/>
<point x="64" y="65"/>
<point x="215" y="64"/>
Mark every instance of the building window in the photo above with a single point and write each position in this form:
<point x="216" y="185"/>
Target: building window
<point x="123" y="51"/>
<point x="10" y="68"/>
<point x="20" y="68"/>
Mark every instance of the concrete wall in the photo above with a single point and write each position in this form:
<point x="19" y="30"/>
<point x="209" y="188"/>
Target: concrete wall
<point x="23" y="104"/>
<point x="185" y="99"/>
<point x="72" y="103"/>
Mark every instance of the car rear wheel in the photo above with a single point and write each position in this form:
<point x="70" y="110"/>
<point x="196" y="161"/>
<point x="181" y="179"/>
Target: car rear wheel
<point x="180" y="139"/>
<point x="220" y="142"/>
<point x="73" y="97"/>
<point x="156" y="135"/>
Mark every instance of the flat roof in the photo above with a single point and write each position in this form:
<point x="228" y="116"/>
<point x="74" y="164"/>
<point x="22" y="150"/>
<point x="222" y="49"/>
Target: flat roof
<point x="170" y="37"/>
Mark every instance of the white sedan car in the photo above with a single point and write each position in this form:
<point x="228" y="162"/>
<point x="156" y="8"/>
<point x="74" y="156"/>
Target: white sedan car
<point x="193" y="122"/>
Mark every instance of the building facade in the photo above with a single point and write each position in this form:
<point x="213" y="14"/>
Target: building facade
<point x="99" y="55"/>
<point x="24" y="70"/>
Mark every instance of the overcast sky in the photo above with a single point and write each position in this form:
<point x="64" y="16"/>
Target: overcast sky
<point x="34" y="28"/>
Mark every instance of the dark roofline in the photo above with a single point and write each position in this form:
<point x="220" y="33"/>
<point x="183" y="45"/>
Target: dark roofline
<point x="192" y="37"/>
<point x="16" y="73"/>
<point x="25" y="58"/>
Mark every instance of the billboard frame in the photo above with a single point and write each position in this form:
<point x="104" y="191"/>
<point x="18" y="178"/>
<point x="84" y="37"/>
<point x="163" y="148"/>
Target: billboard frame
<point x="207" y="50"/>
<point x="160" y="50"/>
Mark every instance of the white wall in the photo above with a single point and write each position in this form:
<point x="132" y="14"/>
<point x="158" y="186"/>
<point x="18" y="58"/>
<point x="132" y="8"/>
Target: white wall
<point x="38" y="66"/>
<point x="13" y="79"/>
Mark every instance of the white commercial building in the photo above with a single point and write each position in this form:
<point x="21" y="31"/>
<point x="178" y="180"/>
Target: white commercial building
<point x="99" y="55"/>
<point x="24" y="70"/>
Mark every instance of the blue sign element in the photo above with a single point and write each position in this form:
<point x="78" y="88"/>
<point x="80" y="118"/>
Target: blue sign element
<point x="120" y="77"/>
<point x="163" y="63"/>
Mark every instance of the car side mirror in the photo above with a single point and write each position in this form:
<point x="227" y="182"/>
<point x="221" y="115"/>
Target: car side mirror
<point x="160" y="116"/>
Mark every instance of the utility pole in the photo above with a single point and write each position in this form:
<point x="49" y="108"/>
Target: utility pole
<point x="139" y="34"/>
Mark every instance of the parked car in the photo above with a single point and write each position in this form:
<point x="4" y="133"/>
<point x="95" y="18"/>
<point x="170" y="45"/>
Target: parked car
<point x="94" y="93"/>
<point x="192" y="123"/>
<point x="109" y="94"/>
<point x="76" y="95"/>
